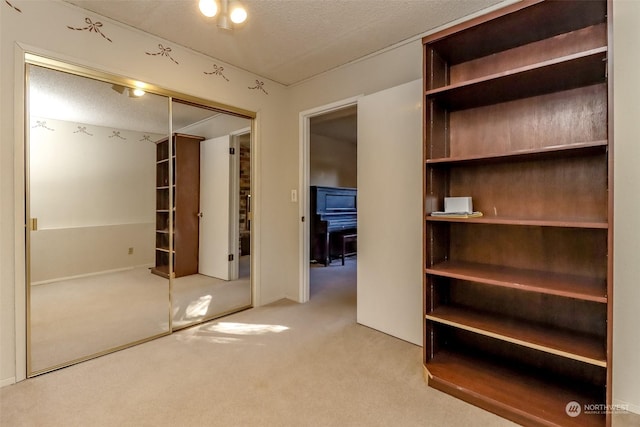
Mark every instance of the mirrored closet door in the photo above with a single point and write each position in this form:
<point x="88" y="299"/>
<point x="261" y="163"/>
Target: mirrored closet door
<point x="212" y="188"/>
<point x="138" y="212"/>
<point x="92" y="206"/>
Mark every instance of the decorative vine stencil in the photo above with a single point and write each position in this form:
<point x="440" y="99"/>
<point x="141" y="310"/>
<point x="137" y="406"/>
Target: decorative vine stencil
<point x="164" y="51"/>
<point x="145" y="138"/>
<point x="91" y="27"/>
<point x="12" y="6"/>
<point x="41" y="124"/>
<point x="83" y="129"/>
<point x="259" y="85"/>
<point x="217" y="71"/>
<point x="116" y="134"/>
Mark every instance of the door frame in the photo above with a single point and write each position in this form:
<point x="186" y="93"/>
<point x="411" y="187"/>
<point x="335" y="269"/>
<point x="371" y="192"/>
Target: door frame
<point x="234" y="205"/>
<point x="303" y="187"/>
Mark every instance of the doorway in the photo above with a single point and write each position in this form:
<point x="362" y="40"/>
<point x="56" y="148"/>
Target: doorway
<point x="328" y="166"/>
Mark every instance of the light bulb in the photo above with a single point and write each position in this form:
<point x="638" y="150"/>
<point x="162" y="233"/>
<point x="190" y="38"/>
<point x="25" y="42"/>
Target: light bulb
<point x="138" y="92"/>
<point x="208" y="8"/>
<point x="238" y="14"/>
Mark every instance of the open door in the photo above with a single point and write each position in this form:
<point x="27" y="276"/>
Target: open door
<point x="217" y="257"/>
<point x="390" y="211"/>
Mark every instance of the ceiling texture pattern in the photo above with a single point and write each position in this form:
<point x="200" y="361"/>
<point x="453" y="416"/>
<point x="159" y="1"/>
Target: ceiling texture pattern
<point x="289" y="41"/>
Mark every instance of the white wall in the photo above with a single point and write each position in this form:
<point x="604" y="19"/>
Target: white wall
<point x="90" y="178"/>
<point x="332" y="162"/>
<point x="93" y="193"/>
<point x="626" y="298"/>
<point x="41" y="28"/>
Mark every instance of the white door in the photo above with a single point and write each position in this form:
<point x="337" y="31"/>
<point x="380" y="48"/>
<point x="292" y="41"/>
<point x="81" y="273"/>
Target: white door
<point x="390" y="211"/>
<point x="215" y="208"/>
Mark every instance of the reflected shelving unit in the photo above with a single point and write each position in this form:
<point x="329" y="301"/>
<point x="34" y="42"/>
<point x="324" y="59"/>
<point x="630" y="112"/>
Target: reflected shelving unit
<point x="183" y="183"/>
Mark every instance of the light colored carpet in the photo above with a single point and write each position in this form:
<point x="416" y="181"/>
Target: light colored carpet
<point x="75" y="318"/>
<point x="284" y="364"/>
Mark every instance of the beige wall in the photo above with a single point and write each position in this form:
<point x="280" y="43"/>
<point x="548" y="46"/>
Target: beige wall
<point x="626" y="300"/>
<point x="332" y="162"/>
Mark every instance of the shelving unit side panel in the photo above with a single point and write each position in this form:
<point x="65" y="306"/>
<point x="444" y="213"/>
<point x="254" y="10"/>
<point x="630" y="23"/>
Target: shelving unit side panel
<point x="561" y="118"/>
<point x="437" y="131"/>
<point x="580" y="252"/>
<point x="572" y="187"/>
<point x="437" y="69"/>
<point x="187" y="205"/>
<point x="543" y="50"/>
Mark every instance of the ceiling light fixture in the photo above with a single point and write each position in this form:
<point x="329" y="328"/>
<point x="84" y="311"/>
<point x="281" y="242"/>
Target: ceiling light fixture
<point x="229" y="14"/>
<point x="131" y="92"/>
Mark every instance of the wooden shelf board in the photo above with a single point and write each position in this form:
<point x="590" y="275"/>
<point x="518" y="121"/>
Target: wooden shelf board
<point x="564" y="73"/>
<point x="162" y="271"/>
<point x="529" y="154"/>
<point x="564" y="285"/>
<point x="484" y="36"/>
<point x="497" y="220"/>
<point x="522" y="396"/>
<point x="569" y="344"/>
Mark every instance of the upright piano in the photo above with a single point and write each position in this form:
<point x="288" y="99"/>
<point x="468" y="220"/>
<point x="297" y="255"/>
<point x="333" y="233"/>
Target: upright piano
<point x="333" y="211"/>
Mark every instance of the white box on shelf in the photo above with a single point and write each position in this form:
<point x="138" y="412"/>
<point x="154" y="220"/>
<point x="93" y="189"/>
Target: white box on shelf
<point x="458" y="204"/>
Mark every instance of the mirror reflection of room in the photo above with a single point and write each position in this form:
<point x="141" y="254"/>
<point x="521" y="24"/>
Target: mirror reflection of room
<point x="132" y="232"/>
<point x="211" y="239"/>
<point x="92" y="161"/>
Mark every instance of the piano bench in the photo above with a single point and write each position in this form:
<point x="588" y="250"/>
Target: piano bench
<point x="348" y="238"/>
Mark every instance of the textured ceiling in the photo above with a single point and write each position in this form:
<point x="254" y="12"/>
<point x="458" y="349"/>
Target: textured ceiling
<point x="289" y="40"/>
<point x="57" y="95"/>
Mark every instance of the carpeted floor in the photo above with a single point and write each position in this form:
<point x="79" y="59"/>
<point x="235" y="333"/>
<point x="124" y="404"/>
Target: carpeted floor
<point x="284" y="364"/>
<point x="76" y="318"/>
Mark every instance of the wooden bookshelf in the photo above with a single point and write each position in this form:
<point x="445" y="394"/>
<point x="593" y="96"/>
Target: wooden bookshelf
<point x="177" y="205"/>
<point x="517" y="303"/>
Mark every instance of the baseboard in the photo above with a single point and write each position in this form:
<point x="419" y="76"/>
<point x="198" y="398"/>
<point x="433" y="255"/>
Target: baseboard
<point x="7" y="381"/>
<point x="95" y="273"/>
<point x="628" y="406"/>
